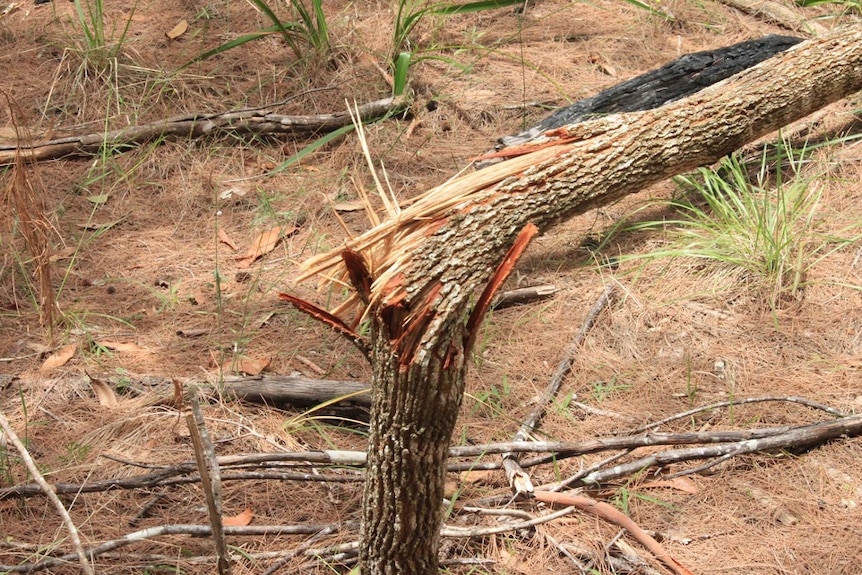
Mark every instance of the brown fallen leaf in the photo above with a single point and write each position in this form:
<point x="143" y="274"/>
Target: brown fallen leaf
<point x="355" y="206"/>
<point x="240" y="520"/>
<point x="681" y="483"/>
<point x="263" y="244"/>
<point x="477" y="476"/>
<point x="247" y="365"/>
<point x="119" y="345"/>
<point x="104" y="392"/>
<point x="225" y="239"/>
<point x="178" y="30"/>
<point x="58" y="358"/>
<point x="63" y="254"/>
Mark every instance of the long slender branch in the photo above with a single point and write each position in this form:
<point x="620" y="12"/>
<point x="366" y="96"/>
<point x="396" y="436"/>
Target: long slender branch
<point x="52" y="495"/>
<point x="256" y="121"/>
<point x="781" y="437"/>
<point x="518" y="479"/>
<point x="160" y="531"/>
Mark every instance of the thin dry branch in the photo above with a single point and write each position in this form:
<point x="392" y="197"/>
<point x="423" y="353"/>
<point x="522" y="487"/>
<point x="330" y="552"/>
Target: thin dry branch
<point x="613" y="515"/>
<point x="161" y="531"/>
<point x="210" y="476"/>
<point x="249" y="466"/>
<point x="257" y="121"/>
<point x="43" y="485"/>
<point x="778" y="14"/>
<point x="518" y="479"/>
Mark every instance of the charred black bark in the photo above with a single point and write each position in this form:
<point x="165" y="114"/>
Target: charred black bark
<point x="682" y="77"/>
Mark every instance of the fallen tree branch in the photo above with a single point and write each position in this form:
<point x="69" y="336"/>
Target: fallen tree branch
<point x="45" y="488"/>
<point x="777" y="14"/>
<point x="210" y="478"/>
<point x="518" y="480"/>
<point x="160" y="531"/>
<point x="612" y="515"/>
<point x="742" y="401"/>
<point x="762" y="439"/>
<point x="796" y="439"/>
<point x="258" y="121"/>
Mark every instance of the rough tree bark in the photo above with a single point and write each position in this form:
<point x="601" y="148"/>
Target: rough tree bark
<point x="417" y="274"/>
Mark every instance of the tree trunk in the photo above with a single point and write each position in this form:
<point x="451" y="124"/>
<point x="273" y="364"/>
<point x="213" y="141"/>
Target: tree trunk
<point x="420" y="271"/>
<point x="414" y="413"/>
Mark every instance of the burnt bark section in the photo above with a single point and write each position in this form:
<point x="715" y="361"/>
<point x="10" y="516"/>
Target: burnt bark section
<point x="419" y="316"/>
<point x="682" y="77"/>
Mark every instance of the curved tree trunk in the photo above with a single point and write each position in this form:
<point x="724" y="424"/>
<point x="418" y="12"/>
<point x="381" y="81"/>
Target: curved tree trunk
<point x="416" y="275"/>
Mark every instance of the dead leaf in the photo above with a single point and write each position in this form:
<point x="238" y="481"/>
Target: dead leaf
<point x="355" y="206"/>
<point x="681" y="483"/>
<point x="247" y="365"/>
<point x="178" y="393"/>
<point x="607" y="70"/>
<point x="119" y="345"/>
<point x="63" y="254"/>
<point x="240" y="520"/>
<point x="58" y="358"/>
<point x="778" y="512"/>
<point x="225" y="239"/>
<point x="477" y="476"/>
<point x="178" y="30"/>
<point x="104" y="392"/>
<point x="263" y="244"/>
<point x="233" y="193"/>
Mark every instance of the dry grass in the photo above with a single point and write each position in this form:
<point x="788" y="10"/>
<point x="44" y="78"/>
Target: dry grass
<point x="147" y="263"/>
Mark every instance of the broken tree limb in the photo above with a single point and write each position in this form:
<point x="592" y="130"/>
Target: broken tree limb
<point x="259" y="121"/>
<point x="297" y="390"/>
<point x="613" y="515"/>
<point x="49" y="491"/>
<point x="427" y="263"/>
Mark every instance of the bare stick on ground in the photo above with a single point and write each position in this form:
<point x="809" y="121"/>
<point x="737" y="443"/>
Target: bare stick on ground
<point x="258" y="121"/>
<point x="517" y="478"/>
<point x="47" y="490"/>
<point x="210" y="479"/>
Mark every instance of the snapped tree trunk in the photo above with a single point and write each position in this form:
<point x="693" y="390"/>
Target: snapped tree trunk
<point x="416" y="275"/>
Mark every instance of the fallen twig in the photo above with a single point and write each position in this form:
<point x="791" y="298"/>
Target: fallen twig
<point x="210" y="479"/>
<point x="246" y="121"/>
<point x="743" y="401"/>
<point x="160" y="531"/>
<point x="52" y="495"/>
<point x="518" y="480"/>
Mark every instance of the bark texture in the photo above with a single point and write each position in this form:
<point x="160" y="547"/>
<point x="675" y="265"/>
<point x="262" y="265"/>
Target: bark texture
<point x="419" y="298"/>
<point x="414" y="413"/>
